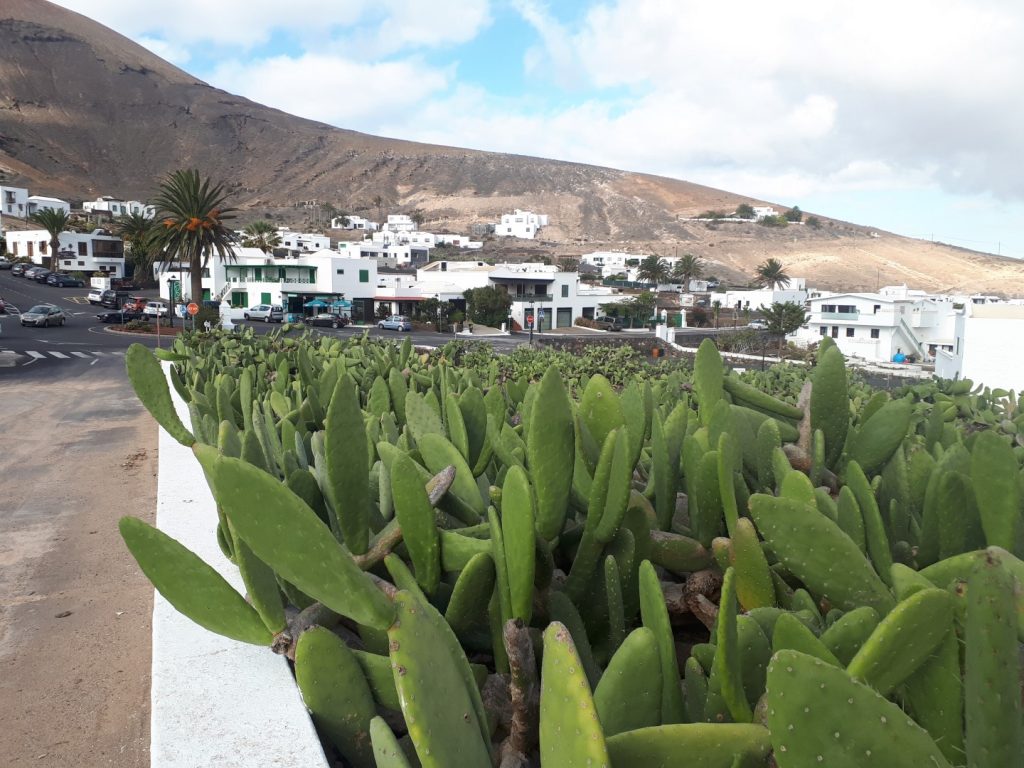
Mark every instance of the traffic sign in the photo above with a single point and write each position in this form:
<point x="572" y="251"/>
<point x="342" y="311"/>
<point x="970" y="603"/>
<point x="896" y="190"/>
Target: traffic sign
<point x="529" y="319"/>
<point x="193" y="309"/>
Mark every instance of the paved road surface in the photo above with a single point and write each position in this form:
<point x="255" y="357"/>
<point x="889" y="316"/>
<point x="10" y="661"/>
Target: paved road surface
<point x="77" y="453"/>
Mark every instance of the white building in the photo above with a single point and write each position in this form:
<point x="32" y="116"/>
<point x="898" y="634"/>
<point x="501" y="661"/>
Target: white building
<point x="14" y="201"/>
<point x="613" y="262"/>
<point x="254" y="278"/>
<point x="764" y="212"/>
<point x="116" y="207"/>
<point x="399" y="222"/>
<point x="354" y="222"/>
<point x="304" y="242"/>
<point x="402" y="254"/>
<point x="524" y="224"/>
<point x="79" y="251"/>
<point x="761" y="298"/>
<point x="986" y="338"/>
<point x="874" y="327"/>
<point x="38" y="203"/>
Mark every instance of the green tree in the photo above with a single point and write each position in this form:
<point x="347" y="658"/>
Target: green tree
<point x="771" y="274"/>
<point x="689" y="267"/>
<point x="378" y="203"/>
<point x="745" y="211"/>
<point x="653" y="270"/>
<point x="418" y="218"/>
<point x="54" y="222"/>
<point x="814" y="222"/>
<point x="138" y="233"/>
<point x="191" y="216"/>
<point x="794" y="214"/>
<point x="488" y="305"/>
<point x="261" y="234"/>
<point x="716" y="311"/>
<point x="783" y="318"/>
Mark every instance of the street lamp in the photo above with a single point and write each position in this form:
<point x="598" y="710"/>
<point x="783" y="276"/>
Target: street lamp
<point x="533" y="320"/>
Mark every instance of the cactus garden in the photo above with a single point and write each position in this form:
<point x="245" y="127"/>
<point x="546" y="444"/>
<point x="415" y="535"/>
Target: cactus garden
<point x="547" y="562"/>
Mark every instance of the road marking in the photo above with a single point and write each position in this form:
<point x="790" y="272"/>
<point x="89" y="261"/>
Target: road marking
<point x="80" y="354"/>
<point x="59" y="354"/>
<point x="36" y="355"/>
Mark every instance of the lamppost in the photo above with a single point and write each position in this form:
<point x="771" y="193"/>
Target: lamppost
<point x="533" y="319"/>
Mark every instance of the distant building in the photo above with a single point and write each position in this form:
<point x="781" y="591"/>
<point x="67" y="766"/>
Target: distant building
<point x="115" y="207"/>
<point x="303" y="242"/>
<point x="522" y="224"/>
<point x="399" y="222"/>
<point x="794" y="292"/>
<point x="764" y="212"/>
<point x="613" y="262"/>
<point x="14" y="201"/>
<point x="38" y="203"/>
<point x="79" y="251"/>
<point x="354" y="223"/>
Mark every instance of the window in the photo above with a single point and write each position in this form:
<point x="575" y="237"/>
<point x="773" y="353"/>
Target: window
<point x="31" y="250"/>
<point x="565" y="291"/>
<point x="83" y="249"/>
<point x="849" y="333"/>
<point x="67" y="262"/>
<point x="42" y="246"/>
<point x="364" y="275"/>
<point x="847" y="309"/>
<point x="828" y="307"/>
<point x="874" y="333"/>
<point x="340" y="271"/>
<point x="264" y="298"/>
<point x="82" y="264"/>
<point x="835" y="331"/>
<point x="824" y="330"/>
<point x="15" y="251"/>
<point x="877" y="307"/>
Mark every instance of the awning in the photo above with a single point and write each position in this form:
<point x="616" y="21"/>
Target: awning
<point x="315" y="303"/>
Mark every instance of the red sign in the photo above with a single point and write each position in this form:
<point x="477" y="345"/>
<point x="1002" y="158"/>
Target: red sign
<point x="529" y="319"/>
<point x="193" y="309"/>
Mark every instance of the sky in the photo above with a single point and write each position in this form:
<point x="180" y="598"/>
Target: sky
<point x="903" y="116"/>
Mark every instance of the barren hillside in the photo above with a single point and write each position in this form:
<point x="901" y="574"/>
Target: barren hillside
<point x="85" y="111"/>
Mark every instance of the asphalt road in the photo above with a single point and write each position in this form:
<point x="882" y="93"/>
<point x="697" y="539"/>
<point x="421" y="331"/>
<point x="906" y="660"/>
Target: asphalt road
<point x="84" y="341"/>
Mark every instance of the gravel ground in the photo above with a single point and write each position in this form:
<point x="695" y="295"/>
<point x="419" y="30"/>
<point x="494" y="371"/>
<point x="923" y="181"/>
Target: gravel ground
<point x="76" y="453"/>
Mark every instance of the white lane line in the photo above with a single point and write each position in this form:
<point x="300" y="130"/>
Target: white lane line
<point x="98" y="353"/>
<point x="36" y="355"/>
<point x="61" y="355"/>
<point x="80" y="354"/>
<point x="118" y="353"/>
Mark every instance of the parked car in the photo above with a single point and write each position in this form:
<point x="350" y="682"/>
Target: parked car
<point x="156" y="309"/>
<point x="63" y="280"/>
<point x="268" y="313"/>
<point x="135" y="304"/>
<point x="327" y="319"/>
<point x="3" y="307"/>
<point x="19" y="269"/>
<point x="95" y="296"/>
<point x="5" y="264"/>
<point x="43" y="315"/>
<point x="123" y="315"/>
<point x="41" y="275"/>
<point x="34" y="270"/>
<point x="758" y="325"/>
<point x="395" y="323"/>
<point x="113" y="298"/>
<point x="608" y="323"/>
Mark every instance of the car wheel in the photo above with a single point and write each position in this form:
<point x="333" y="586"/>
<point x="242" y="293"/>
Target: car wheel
<point x="266" y="318"/>
<point x="246" y="316"/>
<point x="334" y="325"/>
<point x="62" y="321"/>
<point x="381" y="326"/>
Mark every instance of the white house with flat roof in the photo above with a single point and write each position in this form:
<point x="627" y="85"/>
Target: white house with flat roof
<point x="305" y="242"/>
<point x="116" y="207"/>
<point x="876" y="328"/>
<point x="13" y="201"/>
<point x="613" y="262"/>
<point x="352" y="222"/>
<point x="38" y="203"/>
<point x="254" y="278"/>
<point x="399" y="222"/>
<point x="986" y="340"/>
<point x="95" y="251"/>
<point x="523" y="224"/>
<point x="760" y="298"/>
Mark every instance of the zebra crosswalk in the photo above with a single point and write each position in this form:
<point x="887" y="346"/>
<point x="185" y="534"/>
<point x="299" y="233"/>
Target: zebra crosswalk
<point x="53" y="354"/>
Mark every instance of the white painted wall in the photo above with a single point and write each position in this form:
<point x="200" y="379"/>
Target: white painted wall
<point x="40" y="203"/>
<point x="79" y="251"/>
<point x="986" y="343"/>
<point x="523" y="224"/>
<point x="14" y="201"/>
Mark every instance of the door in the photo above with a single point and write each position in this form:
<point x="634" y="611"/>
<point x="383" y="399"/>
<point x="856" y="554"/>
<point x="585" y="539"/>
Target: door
<point x="564" y="317"/>
<point x="264" y="298"/>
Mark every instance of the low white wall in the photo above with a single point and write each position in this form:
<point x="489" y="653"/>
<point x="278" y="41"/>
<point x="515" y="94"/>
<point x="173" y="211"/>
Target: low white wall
<point x="215" y="701"/>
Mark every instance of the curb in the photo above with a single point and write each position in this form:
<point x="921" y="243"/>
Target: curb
<point x="215" y="701"/>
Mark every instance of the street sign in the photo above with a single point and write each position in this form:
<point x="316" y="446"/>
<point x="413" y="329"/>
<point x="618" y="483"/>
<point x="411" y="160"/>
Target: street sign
<point x="542" y="314"/>
<point x="193" y="309"/>
<point x="179" y="310"/>
<point x="529" y="319"/>
<point x="175" y="287"/>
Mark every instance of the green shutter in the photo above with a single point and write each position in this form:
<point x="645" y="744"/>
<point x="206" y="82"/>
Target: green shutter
<point x="264" y="298"/>
<point x="364" y="275"/>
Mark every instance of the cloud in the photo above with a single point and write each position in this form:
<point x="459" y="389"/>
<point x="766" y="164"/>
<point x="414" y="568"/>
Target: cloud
<point x="335" y="89"/>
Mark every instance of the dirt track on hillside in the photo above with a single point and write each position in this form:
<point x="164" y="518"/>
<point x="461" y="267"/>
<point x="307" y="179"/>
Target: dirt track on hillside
<point x="76" y="453"/>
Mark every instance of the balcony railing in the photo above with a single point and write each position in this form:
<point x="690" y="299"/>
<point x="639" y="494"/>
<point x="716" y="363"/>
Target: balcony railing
<point x="849" y="316"/>
<point x="534" y="297"/>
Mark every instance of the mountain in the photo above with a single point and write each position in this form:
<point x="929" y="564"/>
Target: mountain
<point x="84" y="111"/>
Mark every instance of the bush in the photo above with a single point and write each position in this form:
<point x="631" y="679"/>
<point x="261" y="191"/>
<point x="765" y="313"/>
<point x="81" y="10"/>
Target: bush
<point x="584" y="322"/>
<point x="137" y="325"/>
<point x="773" y="221"/>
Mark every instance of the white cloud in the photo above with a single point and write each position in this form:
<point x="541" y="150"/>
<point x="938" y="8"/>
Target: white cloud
<point x="335" y="89"/>
<point x="173" y="53"/>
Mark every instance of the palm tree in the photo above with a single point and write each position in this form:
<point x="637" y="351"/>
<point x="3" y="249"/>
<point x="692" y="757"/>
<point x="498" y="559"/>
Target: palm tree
<point x="261" y="234"/>
<point x="190" y="215"/>
<point x="653" y="270"/>
<point x="138" y="232"/>
<point x="771" y="274"/>
<point x="54" y="222"/>
<point x="378" y="203"/>
<point x="689" y="267"/>
<point x="418" y="218"/>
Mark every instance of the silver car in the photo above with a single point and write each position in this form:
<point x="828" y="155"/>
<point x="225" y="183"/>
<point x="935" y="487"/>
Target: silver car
<point x="43" y="315"/>
<point x="268" y="313"/>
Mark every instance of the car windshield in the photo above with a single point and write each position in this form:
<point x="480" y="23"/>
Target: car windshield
<point x="39" y="309"/>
